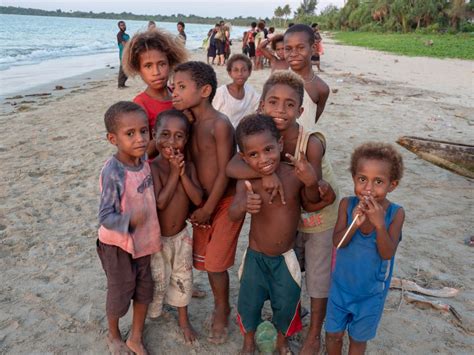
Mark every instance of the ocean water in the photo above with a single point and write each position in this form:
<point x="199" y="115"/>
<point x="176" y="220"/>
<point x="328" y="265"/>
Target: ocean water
<point x="35" y="50"/>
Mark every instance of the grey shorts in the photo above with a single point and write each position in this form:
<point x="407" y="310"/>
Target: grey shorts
<point x="314" y="251"/>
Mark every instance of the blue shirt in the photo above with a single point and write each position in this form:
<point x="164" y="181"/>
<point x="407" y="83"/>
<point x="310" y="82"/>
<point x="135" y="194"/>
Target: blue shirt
<point x="360" y="270"/>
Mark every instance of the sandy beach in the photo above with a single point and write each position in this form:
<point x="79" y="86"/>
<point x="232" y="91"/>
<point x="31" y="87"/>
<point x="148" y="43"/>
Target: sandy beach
<point x="53" y="288"/>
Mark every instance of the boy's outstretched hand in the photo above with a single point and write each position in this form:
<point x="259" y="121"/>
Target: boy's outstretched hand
<point x="326" y="192"/>
<point x="272" y="184"/>
<point x="254" y="201"/>
<point x="200" y="218"/>
<point x="303" y="169"/>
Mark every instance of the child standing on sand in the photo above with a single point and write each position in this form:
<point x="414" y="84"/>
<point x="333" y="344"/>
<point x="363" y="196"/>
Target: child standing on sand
<point x="364" y="262"/>
<point x="212" y="145"/>
<point x="270" y="269"/>
<point x="299" y="47"/>
<point x="129" y="231"/>
<point x="152" y="55"/>
<point x="282" y="99"/>
<point x="238" y="98"/>
<point x="176" y="186"/>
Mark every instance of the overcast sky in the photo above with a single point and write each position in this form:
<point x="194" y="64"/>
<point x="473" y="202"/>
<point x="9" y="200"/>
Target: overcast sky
<point x="224" y="8"/>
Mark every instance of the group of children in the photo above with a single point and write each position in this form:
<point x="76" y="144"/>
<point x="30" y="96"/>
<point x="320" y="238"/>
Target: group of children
<point x="177" y="160"/>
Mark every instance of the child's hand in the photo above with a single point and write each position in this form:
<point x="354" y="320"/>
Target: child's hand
<point x="272" y="185"/>
<point x="375" y="213"/>
<point x="326" y="192"/>
<point x="303" y="169"/>
<point x="359" y="210"/>
<point x="254" y="201"/>
<point x="177" y="162"/>
<point x="137" y="217"/>
<point x="200" y="218"/>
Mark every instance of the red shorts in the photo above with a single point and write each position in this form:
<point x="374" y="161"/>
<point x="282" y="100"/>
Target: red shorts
<point x="214" y="248"/>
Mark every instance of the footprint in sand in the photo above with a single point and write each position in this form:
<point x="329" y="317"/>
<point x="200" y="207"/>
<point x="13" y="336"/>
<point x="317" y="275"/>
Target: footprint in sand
<point x="59" y="138"/>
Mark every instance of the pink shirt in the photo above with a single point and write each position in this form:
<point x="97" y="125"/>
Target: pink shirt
<point x="126" y="190"/>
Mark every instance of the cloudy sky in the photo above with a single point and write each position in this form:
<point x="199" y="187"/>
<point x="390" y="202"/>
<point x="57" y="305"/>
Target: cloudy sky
<point x="224" y="8"/>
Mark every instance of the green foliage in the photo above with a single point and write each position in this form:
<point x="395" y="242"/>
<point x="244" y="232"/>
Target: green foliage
<point x="395" y="16"/>
<point x="306" y="8"/>
<point x="238" y="21"/>
<point x="459" y="45"/>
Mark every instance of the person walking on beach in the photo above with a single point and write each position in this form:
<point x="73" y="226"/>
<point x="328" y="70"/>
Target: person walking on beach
<point x="122" y="38"/>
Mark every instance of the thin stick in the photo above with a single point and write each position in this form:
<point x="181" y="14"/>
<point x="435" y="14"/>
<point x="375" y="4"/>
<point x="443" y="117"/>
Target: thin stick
<point x="347" y="231"/>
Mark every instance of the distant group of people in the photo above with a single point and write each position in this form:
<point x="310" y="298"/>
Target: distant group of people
<point x="177" y="161"/>
<point x="218" y="44"/>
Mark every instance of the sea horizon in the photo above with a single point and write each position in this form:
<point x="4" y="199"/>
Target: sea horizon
<point x="37" y="50"/>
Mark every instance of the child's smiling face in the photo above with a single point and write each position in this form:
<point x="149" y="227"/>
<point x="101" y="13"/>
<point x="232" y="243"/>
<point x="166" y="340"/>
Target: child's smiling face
<point x="171" y="136"/>
<point x="282" y="103"/>
<point x="372" y="178"/>
<point x="154" y="68"/>
<point x="262" y="152"/>
<point x="298" y="50"/>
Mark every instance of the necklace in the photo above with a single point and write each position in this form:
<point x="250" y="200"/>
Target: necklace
<point x="308" y="81"/>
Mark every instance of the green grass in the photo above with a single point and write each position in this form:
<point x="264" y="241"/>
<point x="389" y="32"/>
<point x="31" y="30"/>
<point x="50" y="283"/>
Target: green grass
<point x="413" y="44"/>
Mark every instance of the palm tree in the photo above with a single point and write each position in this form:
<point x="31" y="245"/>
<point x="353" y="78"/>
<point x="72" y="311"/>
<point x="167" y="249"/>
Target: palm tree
<point x="286" y="12"/>
<point x="307" y="7"/>
<point x="278" y="13"/>
<point x="456" y="13"/>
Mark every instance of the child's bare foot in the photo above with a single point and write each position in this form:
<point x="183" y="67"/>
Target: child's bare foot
<point x="137" y="347"/>
<point x="219" y="327"/>
<point x="189" y="334"/>
<point x="311" y="345"/>
<point x="282" y="345"/>
<point x="249" y="344"/>
<point x="117" y="346"/>
<point x="198" y="293"/>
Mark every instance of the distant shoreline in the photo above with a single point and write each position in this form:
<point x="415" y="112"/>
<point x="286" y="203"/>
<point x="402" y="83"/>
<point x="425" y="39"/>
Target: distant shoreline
<point x="13" y="10"/>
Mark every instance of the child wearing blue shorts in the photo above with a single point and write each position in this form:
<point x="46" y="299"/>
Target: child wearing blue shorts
<point x="364" y="261"/>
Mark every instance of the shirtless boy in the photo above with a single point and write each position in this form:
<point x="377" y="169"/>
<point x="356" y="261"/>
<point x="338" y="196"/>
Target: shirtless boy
<point x="299" y="47"/>
<point x="175" y="185"/>
<point x="270" y="255"/>
<point x="276" y="56"/>
<point x="212" y="145"/>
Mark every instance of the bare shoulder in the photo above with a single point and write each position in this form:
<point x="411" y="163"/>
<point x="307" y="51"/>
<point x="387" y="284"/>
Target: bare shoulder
<point x="315" y="146"/>
<point x="222" y="120"/>
<point x="321" y="85"/>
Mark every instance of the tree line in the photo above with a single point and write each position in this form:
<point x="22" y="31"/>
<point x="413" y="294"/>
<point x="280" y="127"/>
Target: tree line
<point x="237" y="21"/>
<point x="386" y="15"/>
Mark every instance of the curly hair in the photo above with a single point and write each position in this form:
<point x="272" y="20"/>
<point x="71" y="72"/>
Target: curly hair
<point x="157" y="39"/>
<point x="201" y="73"/>
<point x="236" y="57"/>
<point x="379" y="151"/>
<point x="114" y="114"/>
<point x="284" y="77"/>
<point x="254" y="124"/>
<point x="276" y="39"/>
<point x="172" y="113"/>
<point x="298" y="28"/>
